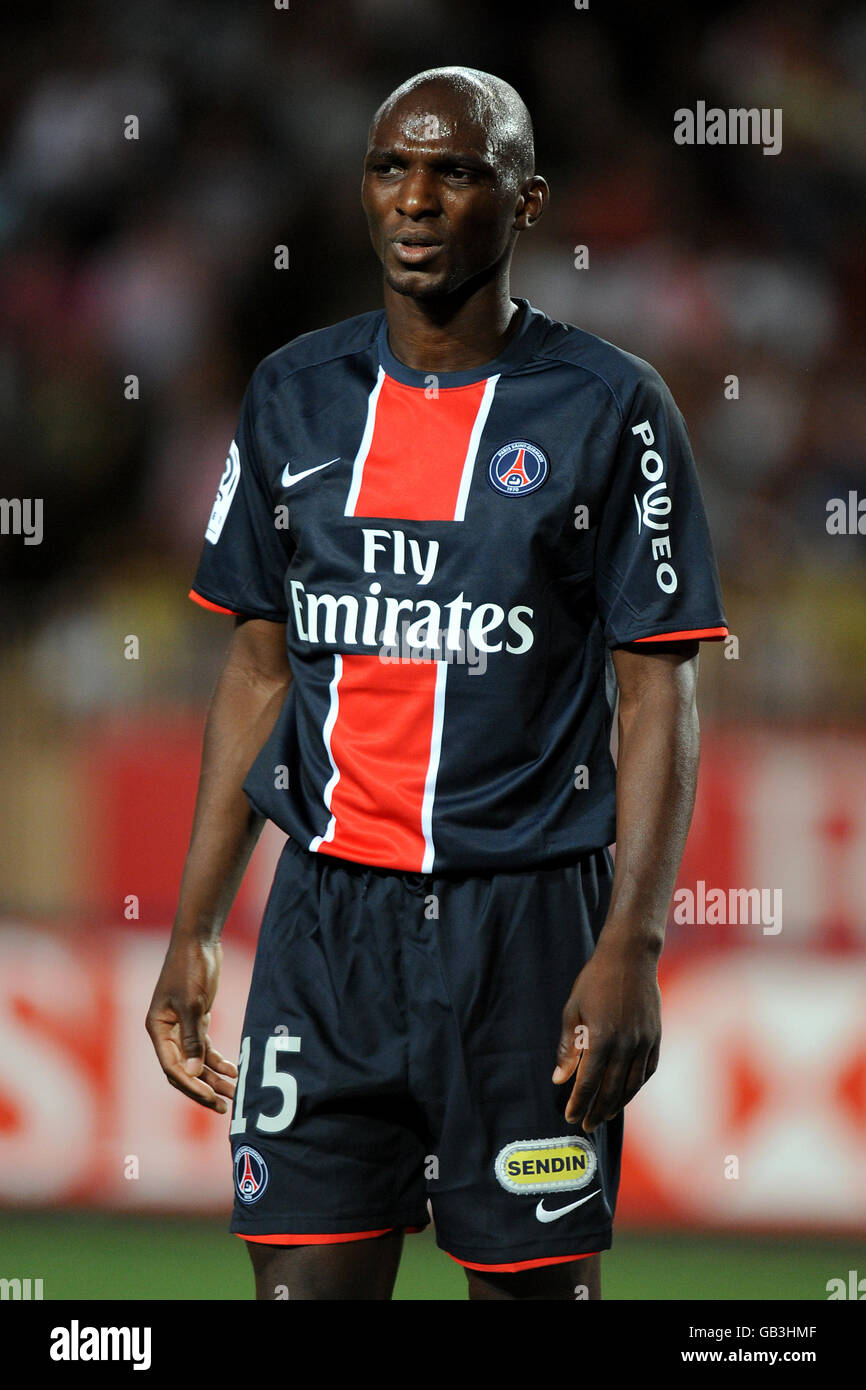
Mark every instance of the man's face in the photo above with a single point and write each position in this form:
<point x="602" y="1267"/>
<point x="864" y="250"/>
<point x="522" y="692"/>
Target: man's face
<point x="440" y="201"/>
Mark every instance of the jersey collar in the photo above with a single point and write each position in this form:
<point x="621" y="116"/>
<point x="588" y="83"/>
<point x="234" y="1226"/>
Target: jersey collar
<point x="515" y="352"/>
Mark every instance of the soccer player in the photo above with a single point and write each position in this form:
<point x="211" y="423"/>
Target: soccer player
<point x="450" y="532"/>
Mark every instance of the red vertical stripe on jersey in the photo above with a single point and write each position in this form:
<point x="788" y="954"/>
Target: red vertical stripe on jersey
<point x="418" y="451"/>
<point x="380" y="744"/>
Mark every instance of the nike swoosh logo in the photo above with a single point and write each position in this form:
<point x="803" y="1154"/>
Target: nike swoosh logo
<point x="289" y="479"/>
<point x="542" y="1214"/>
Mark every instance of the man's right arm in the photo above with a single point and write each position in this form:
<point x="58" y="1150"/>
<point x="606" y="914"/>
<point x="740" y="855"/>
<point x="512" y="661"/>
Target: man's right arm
<point x="249" y="694"/>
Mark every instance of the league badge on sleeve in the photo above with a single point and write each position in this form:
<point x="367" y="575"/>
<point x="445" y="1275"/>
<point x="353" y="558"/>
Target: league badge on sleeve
<point x="225" y="492"/>
<point x="518" y="469"/>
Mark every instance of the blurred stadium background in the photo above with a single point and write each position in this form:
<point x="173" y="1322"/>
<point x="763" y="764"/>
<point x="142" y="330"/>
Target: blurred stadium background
<point x="154" y="258"/>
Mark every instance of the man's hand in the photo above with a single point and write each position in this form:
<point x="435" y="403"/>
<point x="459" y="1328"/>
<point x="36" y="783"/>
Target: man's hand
<point x="611" y="1034"/>
<point x="615" y="1002"/>
<point x="244" y="707"/>
<point x="178" y="1020"/>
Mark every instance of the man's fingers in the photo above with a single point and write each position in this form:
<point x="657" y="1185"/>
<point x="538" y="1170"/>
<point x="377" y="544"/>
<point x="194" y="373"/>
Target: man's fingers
<point x="635" y="1079"/>
<point x="178" y="1067"/>
<point x="589" y="1078"/>
<point x="572" y="1043"/>
<point x="218" y="1062"/>
<point x="162" y="1035"/>
<point x="607" y="1100"/>
<point x="193" y="1030"/>
<point x="172" y="1063"/>
<point x="223" y="1085"/>
<point x="622" y="1081"/>
<point x="196" y="1089"/>
<point x="219" y="1071"/>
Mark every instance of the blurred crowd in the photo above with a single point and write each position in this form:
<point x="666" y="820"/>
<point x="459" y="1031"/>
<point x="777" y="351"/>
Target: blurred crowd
<point x="153" y="258"/>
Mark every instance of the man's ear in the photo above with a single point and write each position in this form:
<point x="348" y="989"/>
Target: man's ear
<point x="534" y="195"/>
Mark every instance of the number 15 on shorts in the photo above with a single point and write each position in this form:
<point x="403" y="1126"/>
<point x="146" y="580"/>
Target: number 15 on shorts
<point x="281" y="1081"/>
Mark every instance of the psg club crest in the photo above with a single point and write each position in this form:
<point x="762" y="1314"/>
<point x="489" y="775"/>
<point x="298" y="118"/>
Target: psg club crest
<point x="251" y="1174"/>
<point x="517" y="469"/>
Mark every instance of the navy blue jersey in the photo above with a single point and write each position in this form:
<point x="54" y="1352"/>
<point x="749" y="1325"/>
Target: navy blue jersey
<point x="454" y="555"/>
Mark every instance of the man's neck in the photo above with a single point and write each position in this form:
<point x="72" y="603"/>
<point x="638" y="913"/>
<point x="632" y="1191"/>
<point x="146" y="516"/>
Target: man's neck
<point x="450" y="334"/>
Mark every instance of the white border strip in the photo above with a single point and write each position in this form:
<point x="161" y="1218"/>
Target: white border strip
<point x="433" y="767"/>
<point x="472" y="451"/>
<point x="364" y="449"/>
<point x="328" y="729"/>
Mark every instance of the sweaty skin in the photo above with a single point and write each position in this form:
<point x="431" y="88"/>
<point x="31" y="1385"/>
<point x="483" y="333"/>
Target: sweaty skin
<point x="449" y="182"/>
<point x="441" y="171"/>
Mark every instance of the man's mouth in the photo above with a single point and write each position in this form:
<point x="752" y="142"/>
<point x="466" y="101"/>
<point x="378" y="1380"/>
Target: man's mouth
<point x="415" y="248"/>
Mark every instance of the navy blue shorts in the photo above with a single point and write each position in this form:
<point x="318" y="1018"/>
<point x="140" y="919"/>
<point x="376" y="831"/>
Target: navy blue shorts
<point x="398" y="1045"/>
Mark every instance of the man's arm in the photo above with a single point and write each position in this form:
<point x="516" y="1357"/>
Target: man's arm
<point x="246" y="701"/>
<point x="616" y="995"/>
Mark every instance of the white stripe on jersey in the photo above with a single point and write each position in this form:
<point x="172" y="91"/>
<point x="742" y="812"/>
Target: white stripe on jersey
<point x="433" y="767"/>
<point x="328" y="729"/>
<point x="472" y="451"/>
<point x="364" y="448"/>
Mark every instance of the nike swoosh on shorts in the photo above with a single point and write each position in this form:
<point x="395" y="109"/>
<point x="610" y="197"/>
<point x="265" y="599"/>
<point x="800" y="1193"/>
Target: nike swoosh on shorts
<point x="542" y="1214"/>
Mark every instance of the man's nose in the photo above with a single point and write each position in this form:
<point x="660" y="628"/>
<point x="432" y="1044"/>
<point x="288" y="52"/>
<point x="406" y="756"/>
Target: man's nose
<point x="417" y="193"/>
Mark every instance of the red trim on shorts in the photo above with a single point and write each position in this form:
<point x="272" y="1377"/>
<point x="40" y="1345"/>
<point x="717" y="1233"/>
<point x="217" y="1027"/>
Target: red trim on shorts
<point x="709" y="632"/>
<point x="291" y="1239"/>
<point x="214" y="607"/>
<point x="522" y="1264"/>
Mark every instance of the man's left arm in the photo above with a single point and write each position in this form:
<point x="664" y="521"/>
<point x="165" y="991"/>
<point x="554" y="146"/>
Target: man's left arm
<point x="615" y="1004"/>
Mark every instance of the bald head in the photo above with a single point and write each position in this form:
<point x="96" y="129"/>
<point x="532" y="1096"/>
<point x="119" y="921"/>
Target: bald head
<point x="449" y="183"/>
<point x="484" y="100"/>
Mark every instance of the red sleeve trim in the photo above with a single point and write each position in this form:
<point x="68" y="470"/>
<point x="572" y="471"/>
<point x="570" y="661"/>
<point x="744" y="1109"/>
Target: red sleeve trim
<point x="712" y="633"/>
<point x="214" y="607"/>
<point x="522" y="1264"/>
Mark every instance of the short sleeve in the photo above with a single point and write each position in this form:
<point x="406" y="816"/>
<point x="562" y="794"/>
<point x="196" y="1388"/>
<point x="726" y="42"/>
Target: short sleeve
<point x="245" y="552"/>
<point x="655" y="572"/>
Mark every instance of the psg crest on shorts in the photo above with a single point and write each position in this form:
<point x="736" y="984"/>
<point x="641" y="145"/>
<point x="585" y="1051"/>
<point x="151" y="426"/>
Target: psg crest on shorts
<point x="251" y="1174"/>
<point x="518" y="468"/>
